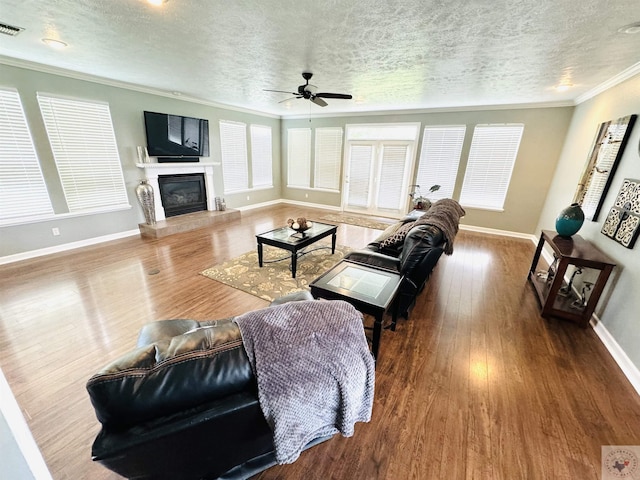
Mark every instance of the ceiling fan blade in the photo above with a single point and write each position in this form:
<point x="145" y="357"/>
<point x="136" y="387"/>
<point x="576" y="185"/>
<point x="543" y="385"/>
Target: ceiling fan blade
<point x="318" y="101"/>
<point x="280" y="91"/>
<point x="334" y="95"/>
<point x="287" y="99"/>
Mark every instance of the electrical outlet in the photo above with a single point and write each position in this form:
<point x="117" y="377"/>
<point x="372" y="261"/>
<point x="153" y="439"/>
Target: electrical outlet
<point x="306" y="195"/>
<point x="55" y="231"/>
<point x="248" y="197"/>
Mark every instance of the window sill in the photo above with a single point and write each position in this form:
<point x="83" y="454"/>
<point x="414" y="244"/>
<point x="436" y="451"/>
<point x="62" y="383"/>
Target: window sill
<point x="11" y="222"/>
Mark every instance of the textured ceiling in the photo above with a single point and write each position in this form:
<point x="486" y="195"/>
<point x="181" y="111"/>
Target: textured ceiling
<point x="389" y="55"/>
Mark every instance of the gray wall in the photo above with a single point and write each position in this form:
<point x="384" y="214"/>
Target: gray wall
<point x="540" y="148"/>
<point x="619" y="306"/>
<point x="126" y="110"/>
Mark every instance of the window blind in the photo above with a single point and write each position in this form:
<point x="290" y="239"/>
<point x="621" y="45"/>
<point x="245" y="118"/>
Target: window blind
<point x="261" y="156"/>
<point x="392" y="174"/>
<point x="493" y="154"/>
<point x="360" y="165"/>
<point x="85" y="151"/>
<point x="299" y="157"/>
<point x="440" y="159"/>
<point x="328" y="153"/>
<point x="233" y="146"/>
<point x="23" y="192"/>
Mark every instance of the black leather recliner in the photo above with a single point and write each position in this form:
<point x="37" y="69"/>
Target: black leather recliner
<point x="183" y="405"/>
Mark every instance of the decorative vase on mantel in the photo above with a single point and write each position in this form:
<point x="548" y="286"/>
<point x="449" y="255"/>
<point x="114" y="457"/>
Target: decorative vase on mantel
<point x="144" y="192"/>
<point x="570" y="220"/>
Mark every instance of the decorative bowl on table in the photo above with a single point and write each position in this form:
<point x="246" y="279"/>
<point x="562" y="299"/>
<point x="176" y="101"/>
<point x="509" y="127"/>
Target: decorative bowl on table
<point x="300" y="225"/>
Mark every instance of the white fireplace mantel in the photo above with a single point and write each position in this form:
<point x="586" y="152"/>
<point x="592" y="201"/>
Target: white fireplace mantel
<point x="153" y="170"/>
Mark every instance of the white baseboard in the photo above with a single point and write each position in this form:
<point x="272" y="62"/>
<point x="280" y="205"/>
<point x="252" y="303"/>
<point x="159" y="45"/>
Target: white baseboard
<point x="624" y="362"/>
<point x="66" y="246"/>
<point x="20" y="430"/>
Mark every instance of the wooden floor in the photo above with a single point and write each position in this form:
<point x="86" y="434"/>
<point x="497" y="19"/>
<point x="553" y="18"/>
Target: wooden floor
<point x="475" y="385"/>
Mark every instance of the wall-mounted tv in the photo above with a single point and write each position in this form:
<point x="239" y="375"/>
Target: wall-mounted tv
<point x="176" y="136"/>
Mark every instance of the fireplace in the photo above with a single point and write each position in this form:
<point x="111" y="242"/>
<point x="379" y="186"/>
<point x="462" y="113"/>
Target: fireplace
<point x="184" y="193"/>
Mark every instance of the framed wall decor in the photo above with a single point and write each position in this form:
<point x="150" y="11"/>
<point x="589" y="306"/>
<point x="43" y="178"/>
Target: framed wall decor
<point x="623" y="219"/>
<point x="606" y="151"/>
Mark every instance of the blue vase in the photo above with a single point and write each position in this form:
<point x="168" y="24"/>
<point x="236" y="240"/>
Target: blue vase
<point x="570" y="220"/>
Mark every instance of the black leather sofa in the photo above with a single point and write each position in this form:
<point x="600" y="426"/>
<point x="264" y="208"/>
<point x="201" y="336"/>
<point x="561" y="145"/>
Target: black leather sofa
<point x="413" y="247"/>
<point x="183" y="405"/>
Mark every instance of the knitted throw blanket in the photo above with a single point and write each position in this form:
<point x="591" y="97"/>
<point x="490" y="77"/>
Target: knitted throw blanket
<point x="314" y="370"/>
<point x="444" y="214"/>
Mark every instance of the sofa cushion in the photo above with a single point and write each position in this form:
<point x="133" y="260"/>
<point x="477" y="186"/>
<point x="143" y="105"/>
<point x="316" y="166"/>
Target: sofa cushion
<point x="171" y="375"/>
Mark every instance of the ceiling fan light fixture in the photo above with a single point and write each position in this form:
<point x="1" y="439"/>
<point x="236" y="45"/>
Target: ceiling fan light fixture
<point x="157" y="3"/>
<point x="53" y="43"/>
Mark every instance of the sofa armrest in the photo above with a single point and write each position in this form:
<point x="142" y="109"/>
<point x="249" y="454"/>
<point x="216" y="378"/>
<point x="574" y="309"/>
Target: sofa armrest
<point x="168" y="376"/>
<point x="374" y="259"/>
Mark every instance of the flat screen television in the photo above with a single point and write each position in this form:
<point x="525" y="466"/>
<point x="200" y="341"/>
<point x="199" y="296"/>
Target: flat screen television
<point x="181" y="138"/>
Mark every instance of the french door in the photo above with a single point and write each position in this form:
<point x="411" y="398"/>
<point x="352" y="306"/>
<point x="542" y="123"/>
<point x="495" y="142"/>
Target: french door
<point x="377" y="177"/>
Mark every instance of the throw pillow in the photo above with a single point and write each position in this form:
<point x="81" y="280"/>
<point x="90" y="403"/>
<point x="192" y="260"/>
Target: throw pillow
<point x="398" y="236"/>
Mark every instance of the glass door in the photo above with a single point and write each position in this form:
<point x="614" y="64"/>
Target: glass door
<point x="377" y="177"/>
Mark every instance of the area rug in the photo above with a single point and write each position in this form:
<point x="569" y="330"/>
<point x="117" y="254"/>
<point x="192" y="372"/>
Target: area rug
<point x="357" y="220"/>
<point x="274" y="279"/>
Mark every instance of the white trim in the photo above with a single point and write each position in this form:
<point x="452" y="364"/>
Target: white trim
<point x="38" y="67"/>
<point x="12" y="414"/>
<point x="504" y="233"/>
<point x="288" y="202"/>
<point x="66" y="246"/>
<point x="624" y="362"/>
<point x="632" y="71"/>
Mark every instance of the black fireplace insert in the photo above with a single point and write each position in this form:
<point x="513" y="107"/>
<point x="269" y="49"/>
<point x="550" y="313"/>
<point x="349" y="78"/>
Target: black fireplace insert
<point x="182" y="194"/>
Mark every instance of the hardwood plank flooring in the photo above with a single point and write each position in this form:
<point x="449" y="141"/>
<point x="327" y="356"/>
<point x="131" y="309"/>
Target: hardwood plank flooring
<point x="476" y="385"/>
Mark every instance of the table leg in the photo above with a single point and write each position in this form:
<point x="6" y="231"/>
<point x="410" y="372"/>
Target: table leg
<point x="260" y="254"/>
<point x="294" y="263"/>
<point x="377" y="333"/>
<point x="333" y="244"/>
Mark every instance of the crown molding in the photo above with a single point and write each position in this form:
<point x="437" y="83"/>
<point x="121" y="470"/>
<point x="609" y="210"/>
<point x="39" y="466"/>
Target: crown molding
<point x="14" y="62"/>
<point x="630" y="72"/>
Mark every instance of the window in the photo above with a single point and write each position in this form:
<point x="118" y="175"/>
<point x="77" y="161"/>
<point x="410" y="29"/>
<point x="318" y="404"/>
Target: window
<point x="85" y="151"/>
<point x="327" y="160"/>
<point x="299" y="157"/>
<point x="493" y="154"/>
<point x="233" y="144"/>
<point x="439" y="159"/>
<point x="23" y="192"/>
<point x="261" y="156"/>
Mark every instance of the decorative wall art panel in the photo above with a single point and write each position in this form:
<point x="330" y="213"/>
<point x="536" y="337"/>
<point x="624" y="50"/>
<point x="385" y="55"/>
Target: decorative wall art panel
<point x="623" y="220"/>
<point x="608" y="147"/>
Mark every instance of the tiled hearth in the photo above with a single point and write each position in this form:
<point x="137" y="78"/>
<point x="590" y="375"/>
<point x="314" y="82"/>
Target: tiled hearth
<point x="190" y="221"/>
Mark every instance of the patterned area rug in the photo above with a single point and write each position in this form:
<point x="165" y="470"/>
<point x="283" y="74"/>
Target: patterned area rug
<point x="358" y="220"/>
<point x="274" y="279"/>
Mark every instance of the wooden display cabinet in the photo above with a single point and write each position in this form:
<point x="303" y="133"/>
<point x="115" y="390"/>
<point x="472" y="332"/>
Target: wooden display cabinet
<point x="556" y="295"/>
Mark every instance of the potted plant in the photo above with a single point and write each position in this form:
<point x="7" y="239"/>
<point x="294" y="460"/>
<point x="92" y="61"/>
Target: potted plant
<point x="422" y="202"/>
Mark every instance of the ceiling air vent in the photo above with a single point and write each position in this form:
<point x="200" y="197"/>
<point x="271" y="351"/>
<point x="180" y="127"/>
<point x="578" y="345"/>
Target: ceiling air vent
<point x="10" y="29"/>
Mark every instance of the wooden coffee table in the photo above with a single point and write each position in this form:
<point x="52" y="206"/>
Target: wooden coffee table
<point x="288" y="239"/>
<point x="370" y="290"/>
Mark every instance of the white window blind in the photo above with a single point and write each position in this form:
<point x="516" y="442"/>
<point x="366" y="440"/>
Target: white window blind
<point x="327" y="161"/>
<point x="261" y="156"/>
<point x="299" y="157"/>
<point x="233" y="145"/>
<point x="439" y="159"/>
<point x="392" y="174"/>
<point x="493" y="154"/>
<point x="360" y="166"/>
<point x="23" y="192"/>
<point x="85" y="151"/>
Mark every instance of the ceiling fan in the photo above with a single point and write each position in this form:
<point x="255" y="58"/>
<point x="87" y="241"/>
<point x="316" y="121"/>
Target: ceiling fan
<point x="310" y="92"/>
